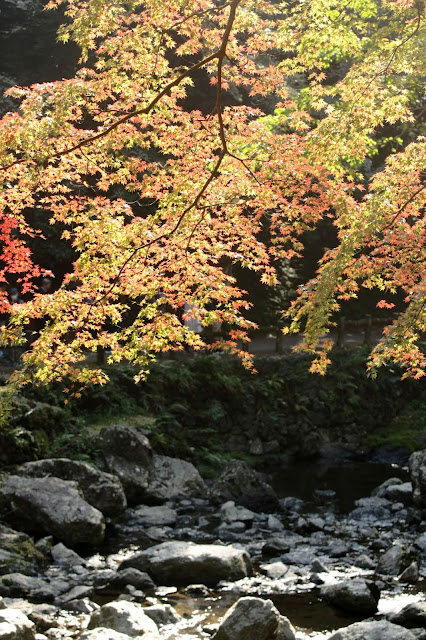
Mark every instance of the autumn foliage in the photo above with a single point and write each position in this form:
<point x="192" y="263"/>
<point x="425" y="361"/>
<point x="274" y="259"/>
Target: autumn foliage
<point x="157" y="200"/>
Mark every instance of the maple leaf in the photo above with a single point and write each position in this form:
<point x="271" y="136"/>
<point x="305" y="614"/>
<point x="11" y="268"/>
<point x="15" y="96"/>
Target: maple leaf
<point x="158" y="201"/>
<point x="383" y="304"/>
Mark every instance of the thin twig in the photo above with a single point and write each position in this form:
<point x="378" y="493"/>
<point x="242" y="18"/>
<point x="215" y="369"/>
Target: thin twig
<point x="219" y="54"/>
<point x="400" y="210"/>
<point x="385" y="70"/>
<point x="137" y="112"/>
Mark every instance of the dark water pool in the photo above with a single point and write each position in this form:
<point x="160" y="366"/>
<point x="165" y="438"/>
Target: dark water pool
<point x="306" y="611"/>
<point x="350" y="481"/>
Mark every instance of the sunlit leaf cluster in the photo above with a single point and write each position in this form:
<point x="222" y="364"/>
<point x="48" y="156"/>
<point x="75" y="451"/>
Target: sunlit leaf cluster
<point x="159" y="201"/>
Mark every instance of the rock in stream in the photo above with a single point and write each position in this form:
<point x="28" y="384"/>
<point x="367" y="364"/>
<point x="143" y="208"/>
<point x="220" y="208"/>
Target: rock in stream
<point x="229" y="568"/>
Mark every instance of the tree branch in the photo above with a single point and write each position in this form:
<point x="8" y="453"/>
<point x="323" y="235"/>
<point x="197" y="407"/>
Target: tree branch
<point x="220" y="55"/>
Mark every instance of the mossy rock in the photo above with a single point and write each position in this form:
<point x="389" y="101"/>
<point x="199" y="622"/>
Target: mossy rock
<point x="18" y="553"/>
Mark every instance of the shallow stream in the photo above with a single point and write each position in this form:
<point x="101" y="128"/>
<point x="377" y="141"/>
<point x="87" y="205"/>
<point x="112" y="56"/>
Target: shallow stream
<point x="311" y="617"/>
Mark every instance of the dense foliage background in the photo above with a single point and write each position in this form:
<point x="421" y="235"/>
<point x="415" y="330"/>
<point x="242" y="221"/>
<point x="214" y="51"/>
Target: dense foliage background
<point x="209" y="408"/>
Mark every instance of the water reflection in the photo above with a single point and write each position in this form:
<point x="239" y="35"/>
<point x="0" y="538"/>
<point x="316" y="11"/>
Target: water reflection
<point x="350" y="481"/>
<point x="306" y="611"/>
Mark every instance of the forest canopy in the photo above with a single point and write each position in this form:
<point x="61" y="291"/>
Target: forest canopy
<point x="311" y="111"/>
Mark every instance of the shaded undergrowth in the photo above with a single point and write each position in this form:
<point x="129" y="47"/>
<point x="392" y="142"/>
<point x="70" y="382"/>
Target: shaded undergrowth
<point x="190" y="407"/>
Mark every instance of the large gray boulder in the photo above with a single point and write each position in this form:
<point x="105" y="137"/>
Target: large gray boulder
<point x="417" y="465"/>
<point x="127" y="454"/>
<point x="371" y="509"/>
<point x="380" y="491"/>
<point x="245" y="487"/>
<point x="51" y="506"/>
<point x="411" y="574"/>
<point x="64" y="557"/>
<point x="102" y="490"/>
<point x="162" y="614"/>
<point x="158" y="516"/>
<point x="413" y="615"/>
<point x="17" y="585"/>
<point x="131" y="576"/>
<point x="254" y="619"/>
<point x="393" y="561"/>
<point x="376" y="630"/>
<point x="125" y="617"/>
<point x="230" y="513"/>
<point x="14" y="625"/>
<point x="401" y="492"/>
<point x="355" y="596"/>
<point x="173" y="478"/>
<point x="182" y="563"/>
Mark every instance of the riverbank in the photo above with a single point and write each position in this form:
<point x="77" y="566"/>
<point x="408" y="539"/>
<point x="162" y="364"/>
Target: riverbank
<point x="204" y="557"/>
<point x="208" y="409"/>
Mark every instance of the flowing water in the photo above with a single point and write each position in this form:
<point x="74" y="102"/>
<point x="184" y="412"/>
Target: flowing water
<point x="311" y="616"/>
